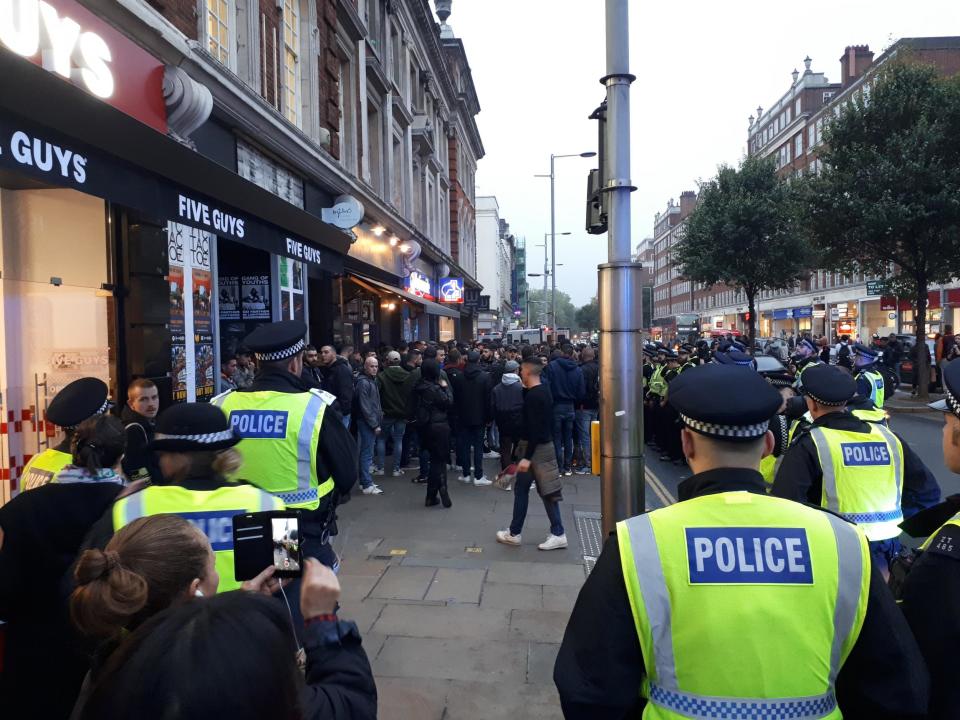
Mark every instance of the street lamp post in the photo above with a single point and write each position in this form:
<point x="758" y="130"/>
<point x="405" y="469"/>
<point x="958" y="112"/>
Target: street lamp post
<point x="553" y="234"/>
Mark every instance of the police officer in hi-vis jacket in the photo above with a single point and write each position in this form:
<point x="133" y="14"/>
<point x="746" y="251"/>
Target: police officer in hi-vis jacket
<point x="732" y="603"/>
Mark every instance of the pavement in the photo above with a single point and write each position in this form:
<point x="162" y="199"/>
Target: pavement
<point x="903" y="402"/>
<point x="455" y="624"/>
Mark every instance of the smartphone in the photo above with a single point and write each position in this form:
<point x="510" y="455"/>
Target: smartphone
<point x="267" y="538"/>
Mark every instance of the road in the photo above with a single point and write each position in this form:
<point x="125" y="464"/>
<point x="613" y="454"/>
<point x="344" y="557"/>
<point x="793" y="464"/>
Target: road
<point x="922" y="431"/>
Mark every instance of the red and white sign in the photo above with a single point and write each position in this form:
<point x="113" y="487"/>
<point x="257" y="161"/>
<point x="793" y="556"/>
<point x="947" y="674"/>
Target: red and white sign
<point x="65" y="38"/>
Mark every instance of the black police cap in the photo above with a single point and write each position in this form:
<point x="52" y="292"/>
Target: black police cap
<point x="277" y="341"/>
<point x="828" y="384"/>
<point x="779" y="378"/>
<point x="866" y="350"/>
<point x="78" y="401"/>
<point x="951" y="385"/>
<point x="193" y="427"/>
<point x="725" y="402"/>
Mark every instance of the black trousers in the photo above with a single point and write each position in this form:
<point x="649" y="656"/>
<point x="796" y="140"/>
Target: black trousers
<point x="438" y="444"/>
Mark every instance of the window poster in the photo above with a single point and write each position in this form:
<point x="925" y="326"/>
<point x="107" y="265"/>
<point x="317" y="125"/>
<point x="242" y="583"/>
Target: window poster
<point x="229" y="287"/>
<point x="255" y="294"/>
<point x="191" y="324"/>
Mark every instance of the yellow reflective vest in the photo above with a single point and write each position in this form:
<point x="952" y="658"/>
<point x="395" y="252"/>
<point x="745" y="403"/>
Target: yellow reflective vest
<point x="43" y="469"/>
<point x="281" y="434"/>
<point x="862" y="477"/>
<point x="658" y="384"/>
<point x="211" y="511"/>
<point x="955" y="520"/>
<point x="877" y="386"/>
<point x="743" y="601"/>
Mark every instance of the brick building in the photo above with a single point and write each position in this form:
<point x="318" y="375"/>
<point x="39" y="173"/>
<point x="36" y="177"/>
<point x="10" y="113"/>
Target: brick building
<point x="673" y="295"/>
<point x="790" y="130"/>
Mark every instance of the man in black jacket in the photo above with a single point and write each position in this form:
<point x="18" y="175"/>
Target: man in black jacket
<point x="337" y="379"/>
<point x="311" y="368"/>
<point x="588" y="409"/>
<point x="471" y="398"/>
<point x="139" y="416"/>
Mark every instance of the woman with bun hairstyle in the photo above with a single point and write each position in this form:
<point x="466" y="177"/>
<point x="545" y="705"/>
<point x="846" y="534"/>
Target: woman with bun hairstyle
<point x="41" y="532"/>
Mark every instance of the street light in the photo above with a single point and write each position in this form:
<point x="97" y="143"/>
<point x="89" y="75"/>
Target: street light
<point x="553" y="233"/>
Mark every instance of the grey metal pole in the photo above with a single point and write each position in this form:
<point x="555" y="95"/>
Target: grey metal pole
<point x="621" y="312"/>
<point x="545" y="276"/>
<point x="553" y="251"/>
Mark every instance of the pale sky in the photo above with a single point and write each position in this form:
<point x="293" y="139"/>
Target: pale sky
<point x="702" y="68"/>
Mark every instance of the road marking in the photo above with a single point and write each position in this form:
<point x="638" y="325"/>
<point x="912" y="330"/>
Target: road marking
<point x="397" y="552"/>
<point x="474" y="549"/>
<point x="666" y="497"/>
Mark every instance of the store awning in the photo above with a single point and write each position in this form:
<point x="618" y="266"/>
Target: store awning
<point x="430" y="307"/>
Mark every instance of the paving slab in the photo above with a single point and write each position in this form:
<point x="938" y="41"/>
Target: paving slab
<point x="357" y="587"/>
<point x="366" y="568"/>
<point x="457" y="586"/>
<point x="560" y="597"/>
<point x="512" y="596"/>
<point x="531" y="573"/>
<point x="468" y="659"/>
<point x="362" y="612"/>
<point x="510" y="701"/>
<point x="411" y="698"/>
<point x="403" y="583"/>
<point x="451" y="621"/>
<point x="538" y="625"/>
<point x="540" y="660"/>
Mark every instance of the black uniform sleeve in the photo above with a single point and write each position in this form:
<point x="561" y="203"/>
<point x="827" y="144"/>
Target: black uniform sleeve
<point x="599" y="668"/>
<point x="885" y="677"/>
<point x="339" y="681"/>
<point x="931" y="596"/>
<point x="920" y="488"/>
<point x="799" y="477"/>
<point x="337" y="453"/>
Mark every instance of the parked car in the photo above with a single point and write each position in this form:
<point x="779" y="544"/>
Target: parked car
<point x="907" y="366"/>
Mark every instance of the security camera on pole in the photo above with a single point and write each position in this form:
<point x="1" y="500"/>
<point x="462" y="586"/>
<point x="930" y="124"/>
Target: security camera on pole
<point x="621" y="341"/>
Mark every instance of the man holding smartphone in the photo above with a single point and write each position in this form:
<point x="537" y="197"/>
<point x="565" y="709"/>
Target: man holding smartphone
<point x="294" y="444"/>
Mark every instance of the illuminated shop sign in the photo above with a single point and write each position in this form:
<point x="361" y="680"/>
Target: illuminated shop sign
<point x="420" y="285"/>
<point x="451" y="290"/>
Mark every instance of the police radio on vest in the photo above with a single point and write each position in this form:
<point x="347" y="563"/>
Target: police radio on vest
<point x="28" y="27"/>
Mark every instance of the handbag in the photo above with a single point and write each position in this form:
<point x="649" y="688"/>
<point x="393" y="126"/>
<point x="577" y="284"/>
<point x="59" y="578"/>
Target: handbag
<point x="506" y="477"/>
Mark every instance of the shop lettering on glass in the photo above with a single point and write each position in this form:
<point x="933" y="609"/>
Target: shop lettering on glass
<point x="197" y="212"/>
<point x="29" y="28"/>
<point x="28" y="151"/>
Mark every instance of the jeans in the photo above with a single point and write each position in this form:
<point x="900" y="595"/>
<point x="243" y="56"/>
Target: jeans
<point x="563" y="416"/>
<point x="584" y="418"/>
<point x="521" y="499"/>
<point x="507" y="444"/>
<point x="394" y="428"/>
<point x="471" y="437"/>
<point x="368" y="438"/>
<point x="439" y="449"/>
<point x="409" y="443"/>
<point x="494" y="437"/>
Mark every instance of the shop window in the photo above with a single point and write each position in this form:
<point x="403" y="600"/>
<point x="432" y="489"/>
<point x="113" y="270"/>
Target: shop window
<point x="54" y="308"/>
<point x="291" y="290"/>
<point x="291" y="60"/>
<point x="220" y="30"/>
<point x="244" y="293"/>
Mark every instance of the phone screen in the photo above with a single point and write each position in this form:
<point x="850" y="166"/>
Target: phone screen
<point x="286" y="543"/>
<point x="267" y="538"/>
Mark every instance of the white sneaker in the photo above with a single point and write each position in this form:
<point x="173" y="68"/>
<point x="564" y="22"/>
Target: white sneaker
<point x="378" y="471"/>
<point x="553" y="542"/>
<point x="464" y="479"/>
<point x="482" y="481"/>
<point x="372" y="490"/>
<point x="504" y="536"/>
<point x="491" y="454"/>
<point x="396" y="473"/>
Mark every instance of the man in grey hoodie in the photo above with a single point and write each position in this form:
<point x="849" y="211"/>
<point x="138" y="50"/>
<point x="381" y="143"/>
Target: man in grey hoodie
<point x="369" y="420"/>
<point x="506" y="402"/>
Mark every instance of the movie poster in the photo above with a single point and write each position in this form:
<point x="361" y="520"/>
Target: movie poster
<point x="228" y="287"/>
<point x="178" y="367"/>
<point x="202" y="305"/>
<point x="176" y="298"/>
<point x="255" y="297"/>
<point x="204" y="377"/>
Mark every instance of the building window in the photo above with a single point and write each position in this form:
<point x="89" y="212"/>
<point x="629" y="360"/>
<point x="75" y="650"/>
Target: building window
<point x="220" y="30"/>
<point x="399" y="171"/>
<point x="291" y="60"/>
<point x="348" y="120"/>
<point x="292" y="306"/>
<point x="798" y="145"/>
<point x="796" y="108"/>
<point x="375" y="144"/>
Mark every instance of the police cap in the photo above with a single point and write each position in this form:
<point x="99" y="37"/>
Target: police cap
<point x="277" y="341"/>
<point x="724" y="402"/>
<point x="78" y="401"/>
<point x="951" y="385"/>
<point x="828" y="384"/>
<point x="865" y="350"/>
<point x="733" y="357"/>
<point x="193" y="427"/>
<point x="779" y="378"/>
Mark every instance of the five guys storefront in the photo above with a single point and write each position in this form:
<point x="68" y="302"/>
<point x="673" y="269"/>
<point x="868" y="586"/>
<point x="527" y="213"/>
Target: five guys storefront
<point x="123" y="252"/>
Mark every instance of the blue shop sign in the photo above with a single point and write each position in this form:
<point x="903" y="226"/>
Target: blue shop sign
<point x="790" y="313"/>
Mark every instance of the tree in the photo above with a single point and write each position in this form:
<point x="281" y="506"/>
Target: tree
<point x="741" y="234"/>
<point x="539" y="313"/>
<point x="887" y="202"/>
<point x="588" y="317"/>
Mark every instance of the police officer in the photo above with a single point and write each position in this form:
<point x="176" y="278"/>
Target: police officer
<point x="76" y="402"/>
<point x="931" y="590"/>
<point x="732" y="598"/>
<point x="805" y="356"/>
<point x="870" y="382"/>
<point x="782" y="382"/>
<point x="863" y="471"/>
<point x="193" y="441"/>
<point x="294" y="444"/>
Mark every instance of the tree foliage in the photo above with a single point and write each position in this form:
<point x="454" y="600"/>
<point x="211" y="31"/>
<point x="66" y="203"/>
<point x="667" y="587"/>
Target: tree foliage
<point x="588" y="316"/>
<point x="539" y="313"/>
<point x="742" y="234"/>
<point x="887" y="202"/>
